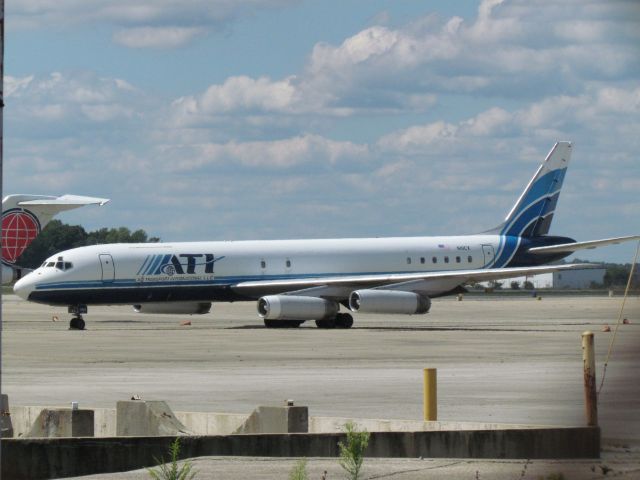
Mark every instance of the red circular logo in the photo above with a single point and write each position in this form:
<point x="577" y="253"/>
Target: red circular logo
<point x="19" y="228"/>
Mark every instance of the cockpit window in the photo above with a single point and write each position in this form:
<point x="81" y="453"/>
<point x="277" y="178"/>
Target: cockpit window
<point x="51" y="264"/>
<point x="64" y="265"/>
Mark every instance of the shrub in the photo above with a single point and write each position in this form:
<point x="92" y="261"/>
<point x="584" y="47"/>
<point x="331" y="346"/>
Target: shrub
<point x="172" y="471"/>
<point x="299" y="470"/>
<point x="352" y="451"/>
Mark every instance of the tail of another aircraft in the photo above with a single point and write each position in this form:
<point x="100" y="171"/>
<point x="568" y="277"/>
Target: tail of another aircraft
<point x="532" y="214"/>
<point x="24" y="216"/>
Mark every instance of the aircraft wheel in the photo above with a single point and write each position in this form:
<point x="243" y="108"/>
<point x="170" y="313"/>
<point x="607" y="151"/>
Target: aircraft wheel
<point x="344" y="320"/>
<point x="283" y="323"/>
<point x="76" y="323"/>
<point x="327" y="323"/>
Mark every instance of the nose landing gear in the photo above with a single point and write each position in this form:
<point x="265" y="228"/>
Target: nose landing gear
<point x="77" y="322"/>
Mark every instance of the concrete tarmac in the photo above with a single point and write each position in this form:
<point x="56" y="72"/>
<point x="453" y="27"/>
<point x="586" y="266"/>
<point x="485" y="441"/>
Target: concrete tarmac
<point x="500" y="359"/>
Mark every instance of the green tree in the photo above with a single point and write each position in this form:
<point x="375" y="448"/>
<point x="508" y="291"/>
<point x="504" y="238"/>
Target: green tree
<point x="54" y="238"/>
<point x="58" y="236"/>
<point x="616" y="275"/>
<point x="116" y="235"/>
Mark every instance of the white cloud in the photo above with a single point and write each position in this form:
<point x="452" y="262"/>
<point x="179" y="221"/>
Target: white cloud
<point x="489" y="122"/>
<point x="246" y="94"/>
<point x="619" y="100"/>
<point x="65" y="101"/>
<point x="143" y="23"/>
<point x="14" y="85"/>
<point x="600" y="111"/>
<point x="276" y="154"/>
<point x="156" y="37"/>
<point x="511" y="50"/>
<point x="417" y="138"/>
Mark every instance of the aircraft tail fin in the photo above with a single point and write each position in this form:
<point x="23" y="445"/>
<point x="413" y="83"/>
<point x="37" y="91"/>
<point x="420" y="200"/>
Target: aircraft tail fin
<point x="24" y="216"/>
<point x="532" y="214"/>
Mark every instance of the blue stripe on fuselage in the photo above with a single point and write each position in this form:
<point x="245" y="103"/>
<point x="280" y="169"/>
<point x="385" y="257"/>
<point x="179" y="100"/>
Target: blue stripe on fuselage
<point x="510" y="246"/>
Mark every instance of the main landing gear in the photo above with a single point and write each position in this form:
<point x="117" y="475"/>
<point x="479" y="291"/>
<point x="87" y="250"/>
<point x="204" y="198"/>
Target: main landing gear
<point x="341" y="320"/>
<point x="77" y="322"/>
<point x="282" y="323"/>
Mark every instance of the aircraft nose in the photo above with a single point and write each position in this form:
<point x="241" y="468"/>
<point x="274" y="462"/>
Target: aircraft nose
<point x="24" y="287"/>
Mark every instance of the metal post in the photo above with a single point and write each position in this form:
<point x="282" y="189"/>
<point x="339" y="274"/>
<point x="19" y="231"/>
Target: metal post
<point x="430" y="395"/>
<point x="1" y="169"/>
<point x="589" y="369"/>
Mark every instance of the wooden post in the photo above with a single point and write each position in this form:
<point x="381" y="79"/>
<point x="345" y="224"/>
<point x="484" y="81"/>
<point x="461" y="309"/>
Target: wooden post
<point x="589" y="369"/>
<point x="430" y="397"/>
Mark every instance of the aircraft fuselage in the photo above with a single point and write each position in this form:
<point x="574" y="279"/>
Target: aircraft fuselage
<point x="207" y="271"/>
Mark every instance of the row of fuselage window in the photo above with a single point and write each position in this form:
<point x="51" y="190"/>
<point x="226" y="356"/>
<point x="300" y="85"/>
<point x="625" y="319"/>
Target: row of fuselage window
<point x="263" y="263"/>
<point x="434" y="260"/>
<point x="423" y="260"/>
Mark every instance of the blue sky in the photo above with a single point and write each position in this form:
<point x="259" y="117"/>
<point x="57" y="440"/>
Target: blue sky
<point x="238" y="119"/>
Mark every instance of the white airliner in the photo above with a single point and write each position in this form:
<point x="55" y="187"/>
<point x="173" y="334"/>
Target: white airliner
<point x="298" y="280"/>
<point x="24" y="217"/>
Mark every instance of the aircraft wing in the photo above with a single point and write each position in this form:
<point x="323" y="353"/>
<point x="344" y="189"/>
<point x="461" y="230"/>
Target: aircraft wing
<point x="430" y="283"/>
<point x="572" y="247"/>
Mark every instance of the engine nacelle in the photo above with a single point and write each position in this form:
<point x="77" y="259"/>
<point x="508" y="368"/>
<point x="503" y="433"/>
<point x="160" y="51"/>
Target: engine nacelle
<point x="290" y="307"/>
<point x="388" y="301"/>
<point x="11" y="274"/>
<point x="188" y="308"/>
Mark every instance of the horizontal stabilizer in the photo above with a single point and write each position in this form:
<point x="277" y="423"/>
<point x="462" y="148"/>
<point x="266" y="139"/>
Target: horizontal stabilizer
<point x="25" y="215"/>
<point x="70" y="200"/>
<point x="572" y="247"/>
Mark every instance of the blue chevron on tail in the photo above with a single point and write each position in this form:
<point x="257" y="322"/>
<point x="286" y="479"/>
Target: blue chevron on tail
<point x="532" y="214"/>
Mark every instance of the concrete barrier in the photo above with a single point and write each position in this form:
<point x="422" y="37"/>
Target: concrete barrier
<point x="147" y="418"/>
<point x="6" y="426"/>
<point x="63" y="422"/>
<point x="60" y="457"/>
<point x="287" y="419"/>
<point x="199" y="423"/>
<point x="216" y="423"/>
<point x="212" y="423"/>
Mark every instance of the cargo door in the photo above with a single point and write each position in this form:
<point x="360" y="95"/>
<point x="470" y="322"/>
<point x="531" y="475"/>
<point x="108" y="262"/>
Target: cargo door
<point x="488" y="253"/>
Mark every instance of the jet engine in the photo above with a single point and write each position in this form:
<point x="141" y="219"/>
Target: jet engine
<point x="190" y="308"/>
<point x="388" y="301"/>
<point x="11" y="274"/>
<point x="290" y="307"/>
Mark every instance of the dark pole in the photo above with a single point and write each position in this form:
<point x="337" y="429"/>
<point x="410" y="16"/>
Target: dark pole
<point x="1" y="169"/>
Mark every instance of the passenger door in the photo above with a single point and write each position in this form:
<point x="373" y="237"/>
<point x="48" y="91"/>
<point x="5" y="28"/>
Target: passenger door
<point x="108" y="268"/>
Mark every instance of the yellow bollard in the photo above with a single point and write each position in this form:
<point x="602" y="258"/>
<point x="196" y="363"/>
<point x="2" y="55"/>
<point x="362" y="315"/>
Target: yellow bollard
<point x="430" y="409"/>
